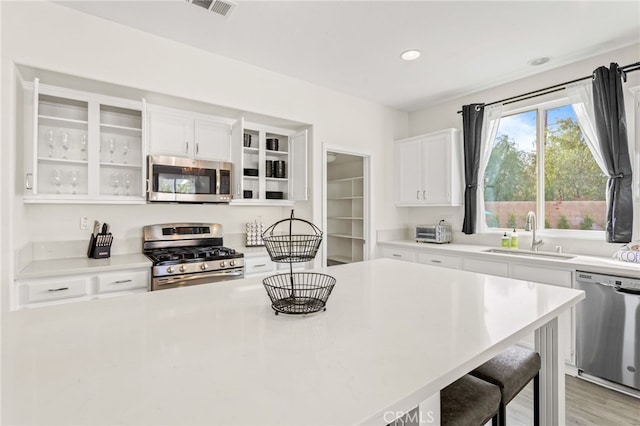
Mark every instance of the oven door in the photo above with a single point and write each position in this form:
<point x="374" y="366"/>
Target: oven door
<point x="178" y="179"/>
<point x="163" y="283"/>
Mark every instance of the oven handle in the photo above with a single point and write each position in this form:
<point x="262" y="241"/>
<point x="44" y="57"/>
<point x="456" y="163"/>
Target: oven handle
<point x="181" y="278"/>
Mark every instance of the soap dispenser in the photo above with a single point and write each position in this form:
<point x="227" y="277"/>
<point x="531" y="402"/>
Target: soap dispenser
<point x="505" y="241"/>
<point x="514" y="239"/>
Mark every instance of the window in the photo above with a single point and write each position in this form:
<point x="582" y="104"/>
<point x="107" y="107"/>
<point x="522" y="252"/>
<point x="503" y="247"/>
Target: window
<point x="540" y="162"/>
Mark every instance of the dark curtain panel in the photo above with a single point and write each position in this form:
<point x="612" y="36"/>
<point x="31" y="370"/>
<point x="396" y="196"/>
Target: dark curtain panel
<point x="611" y="127"/>
<point x="472" y="116"/>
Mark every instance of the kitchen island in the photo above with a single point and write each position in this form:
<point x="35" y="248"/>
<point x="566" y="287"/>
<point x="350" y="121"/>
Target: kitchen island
<point x="393" y="335"/>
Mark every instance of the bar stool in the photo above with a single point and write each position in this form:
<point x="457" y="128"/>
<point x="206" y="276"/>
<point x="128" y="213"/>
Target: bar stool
<point x="469" y="401"/>
<point x="511" y="371"/>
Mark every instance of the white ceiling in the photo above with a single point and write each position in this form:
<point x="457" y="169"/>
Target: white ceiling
<point x="354" y="46"/>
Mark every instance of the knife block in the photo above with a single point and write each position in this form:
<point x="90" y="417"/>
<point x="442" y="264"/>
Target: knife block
<point x="100" y="246"/>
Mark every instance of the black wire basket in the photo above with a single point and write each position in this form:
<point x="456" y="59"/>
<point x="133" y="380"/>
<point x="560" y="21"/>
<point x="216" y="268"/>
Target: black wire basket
<point x="299" y="293"/>
<point x="288" y="248"/>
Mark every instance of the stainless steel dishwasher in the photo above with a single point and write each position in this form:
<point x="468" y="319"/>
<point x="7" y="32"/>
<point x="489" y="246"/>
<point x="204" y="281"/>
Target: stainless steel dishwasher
<point x="608" y="329"/>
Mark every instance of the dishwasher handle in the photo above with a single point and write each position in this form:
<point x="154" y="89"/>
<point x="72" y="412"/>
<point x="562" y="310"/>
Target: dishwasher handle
<point x="626" y="290"/>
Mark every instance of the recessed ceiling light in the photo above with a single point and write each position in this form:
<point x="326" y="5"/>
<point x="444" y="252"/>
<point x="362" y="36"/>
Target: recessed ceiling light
<point x="410" y="55"/>
<point x="539" y="61"/>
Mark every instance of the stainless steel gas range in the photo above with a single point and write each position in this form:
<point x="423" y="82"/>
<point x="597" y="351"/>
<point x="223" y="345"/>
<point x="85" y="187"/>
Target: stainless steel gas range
<point x="188" y="254"/>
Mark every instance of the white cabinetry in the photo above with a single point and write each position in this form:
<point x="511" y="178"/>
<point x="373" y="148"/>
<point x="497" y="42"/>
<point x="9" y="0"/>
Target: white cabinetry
<point x="439" y="260"/>
<point x="566" y="320"/>
<point x="33" y="293"/>
<point x="188" y="134"/>
<point x="428" y="169"/>
<point x="255" y="179"/>
<point x="258" y="265"/>
<point x="82" y="147"/>
<point x="490" y="267"/>
<point x="399" y="254"/>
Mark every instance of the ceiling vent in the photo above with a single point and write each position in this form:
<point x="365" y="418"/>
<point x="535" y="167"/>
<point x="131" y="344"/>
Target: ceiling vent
<point x="221" y="7"/>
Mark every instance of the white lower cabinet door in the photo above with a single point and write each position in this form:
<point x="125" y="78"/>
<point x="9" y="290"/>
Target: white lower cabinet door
<point x="490" y="267"/>
<point x="255" y="266"/>
<point x="439" y="260"/>
<point x="124" y="281"/>
<point x="566" y="320"/>
<point x="38" y="292"/>
<point x="399" y="254"/>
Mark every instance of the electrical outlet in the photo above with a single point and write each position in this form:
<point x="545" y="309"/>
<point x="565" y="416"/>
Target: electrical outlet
<point x="84" y="223"/>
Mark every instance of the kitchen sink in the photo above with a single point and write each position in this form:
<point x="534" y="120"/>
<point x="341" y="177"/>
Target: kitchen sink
<point x="528" y="253"/>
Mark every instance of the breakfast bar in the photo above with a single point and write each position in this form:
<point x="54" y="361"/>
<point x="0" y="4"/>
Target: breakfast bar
<point x="394" y="334"/>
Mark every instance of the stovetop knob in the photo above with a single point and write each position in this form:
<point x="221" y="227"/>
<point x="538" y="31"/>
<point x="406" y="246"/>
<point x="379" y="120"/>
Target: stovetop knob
<point x="223" y="264"/>
<point x="232" y="263"/>
<point x="170" y="269"/>
<point x="183" y="268"/>
<point x="204" y="266"/>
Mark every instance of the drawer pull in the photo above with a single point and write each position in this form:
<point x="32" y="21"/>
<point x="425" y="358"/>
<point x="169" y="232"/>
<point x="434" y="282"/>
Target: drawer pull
<point x="122" y="281"/>
<point x="436" y="261"/>
<point x="397" y="255"/>
<point x="260" y="265"/>
<point x="58" y="289"/>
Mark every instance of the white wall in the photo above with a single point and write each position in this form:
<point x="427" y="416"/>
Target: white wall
<point x="445" y="116"/>
<point x="50" y="36"/>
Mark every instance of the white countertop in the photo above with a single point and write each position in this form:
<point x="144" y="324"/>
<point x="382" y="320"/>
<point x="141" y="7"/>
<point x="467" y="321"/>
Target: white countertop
<point x="578" y="262"/>
<point x="82" y="265"/>
<point x="394" y="333"/>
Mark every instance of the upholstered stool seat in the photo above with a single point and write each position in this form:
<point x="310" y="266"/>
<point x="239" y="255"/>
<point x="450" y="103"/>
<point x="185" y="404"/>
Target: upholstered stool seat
<point x="469" y="401"/>
<point x="511" y="371"/>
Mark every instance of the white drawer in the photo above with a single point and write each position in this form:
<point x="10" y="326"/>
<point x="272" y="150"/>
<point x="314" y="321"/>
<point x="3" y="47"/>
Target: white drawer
<point x="486" y="267"/>
<point x="258" y="265"/>
<point x="542" y="275"/>
<point x="54" y="289"/>
<point x="439" y="260"/>
<point x="399" y="254"/>
<point x="124" y="280"/>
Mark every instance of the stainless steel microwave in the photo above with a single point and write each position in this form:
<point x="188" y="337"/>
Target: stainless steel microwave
<point x="186" y="180"/>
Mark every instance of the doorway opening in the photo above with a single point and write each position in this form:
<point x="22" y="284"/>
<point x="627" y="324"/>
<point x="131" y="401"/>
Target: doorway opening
<point x="346" y="206"/>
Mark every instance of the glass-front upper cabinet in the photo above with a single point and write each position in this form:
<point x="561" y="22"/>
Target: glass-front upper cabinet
<point x="81" y="147"/>
<point x="269" y="164"/>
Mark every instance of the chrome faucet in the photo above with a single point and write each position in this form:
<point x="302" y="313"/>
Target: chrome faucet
<point x="531" y="225"/>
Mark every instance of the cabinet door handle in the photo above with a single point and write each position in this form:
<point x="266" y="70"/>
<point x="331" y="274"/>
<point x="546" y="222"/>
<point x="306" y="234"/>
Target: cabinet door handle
<point x="58" y="289"/>
<point x="418" y="194"/>
<point x="396" y="255"/>
<point x="424" y="194"/>
<point x="187" y="147"/>
<point x="197" y="147"/>
<point x="122" y="281"/>
<point x="436" y="261"/>
<point x="27" y="180"/>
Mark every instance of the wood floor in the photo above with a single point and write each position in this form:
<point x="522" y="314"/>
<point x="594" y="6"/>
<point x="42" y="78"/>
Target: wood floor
<point x="587" y="404"/>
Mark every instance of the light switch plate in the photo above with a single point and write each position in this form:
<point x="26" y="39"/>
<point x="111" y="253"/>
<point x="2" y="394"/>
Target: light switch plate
<point x="84" y="223"/>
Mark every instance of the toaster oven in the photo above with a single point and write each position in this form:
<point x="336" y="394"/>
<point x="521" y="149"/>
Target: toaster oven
<point x="438" y="234"/>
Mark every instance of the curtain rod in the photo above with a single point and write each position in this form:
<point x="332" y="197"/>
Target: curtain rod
<point x="555" y="87"/>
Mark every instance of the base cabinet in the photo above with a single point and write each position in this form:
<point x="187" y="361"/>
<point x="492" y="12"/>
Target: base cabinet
<point x="521" y="271"/>
<point x="38" y="292"/>
<point x="439" y="260"/>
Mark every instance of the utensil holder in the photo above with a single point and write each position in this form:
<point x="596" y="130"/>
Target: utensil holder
<point x="100" y="246"/>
